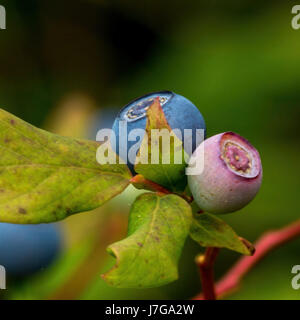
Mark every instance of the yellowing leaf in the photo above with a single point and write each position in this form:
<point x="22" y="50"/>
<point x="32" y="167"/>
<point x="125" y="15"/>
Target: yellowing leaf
<point x="45" y="177"/>
<point x="148" y="257"/>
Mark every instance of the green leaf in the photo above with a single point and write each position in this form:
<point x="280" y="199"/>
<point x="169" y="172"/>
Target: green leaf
<point x="210" y="231"/>
<point x="45" y="177"/>
<point x="169" y="175"/>
<point x="148" y="257"/>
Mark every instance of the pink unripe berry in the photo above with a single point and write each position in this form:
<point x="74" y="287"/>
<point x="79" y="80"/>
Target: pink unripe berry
<point x="231" y="175"/>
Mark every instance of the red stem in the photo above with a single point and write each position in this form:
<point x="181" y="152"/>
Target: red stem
<point x="206" y="268"/>
<point x="143" y="183"/>
<point x="269" y="241"/>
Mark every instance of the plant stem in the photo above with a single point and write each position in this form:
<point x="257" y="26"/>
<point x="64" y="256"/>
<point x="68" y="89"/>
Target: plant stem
<point x="141" y="183"/>
<point x="269" y="241"/>
<point x="206" y="268"/>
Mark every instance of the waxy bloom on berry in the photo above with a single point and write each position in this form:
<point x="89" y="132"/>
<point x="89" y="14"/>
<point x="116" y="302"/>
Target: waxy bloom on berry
<point x="231" y="176"/>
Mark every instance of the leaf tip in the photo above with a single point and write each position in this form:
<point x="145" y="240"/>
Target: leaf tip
<point x="249" y="246"/>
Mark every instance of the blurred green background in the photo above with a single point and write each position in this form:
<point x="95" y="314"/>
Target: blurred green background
<point x="68" y="66"/>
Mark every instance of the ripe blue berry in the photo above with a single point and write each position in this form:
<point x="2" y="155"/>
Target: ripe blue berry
<point x="231" y="176"/>
<point x="180" y="114"/>
<point x="25" y="249"/>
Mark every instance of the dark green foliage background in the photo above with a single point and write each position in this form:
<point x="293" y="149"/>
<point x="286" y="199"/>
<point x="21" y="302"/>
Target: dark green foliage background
<point x="237" y="61"/>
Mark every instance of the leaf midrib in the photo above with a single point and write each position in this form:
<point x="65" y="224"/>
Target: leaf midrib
<point x="62" y="167"/>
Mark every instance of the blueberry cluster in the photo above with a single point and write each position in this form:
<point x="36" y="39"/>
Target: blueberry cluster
<point x="232" y="170"/>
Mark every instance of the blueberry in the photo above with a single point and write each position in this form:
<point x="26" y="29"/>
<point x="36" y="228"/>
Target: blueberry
<point x="179" y="111"/>
<point x="25" y="249"/>
<point x="231" y="176"/>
